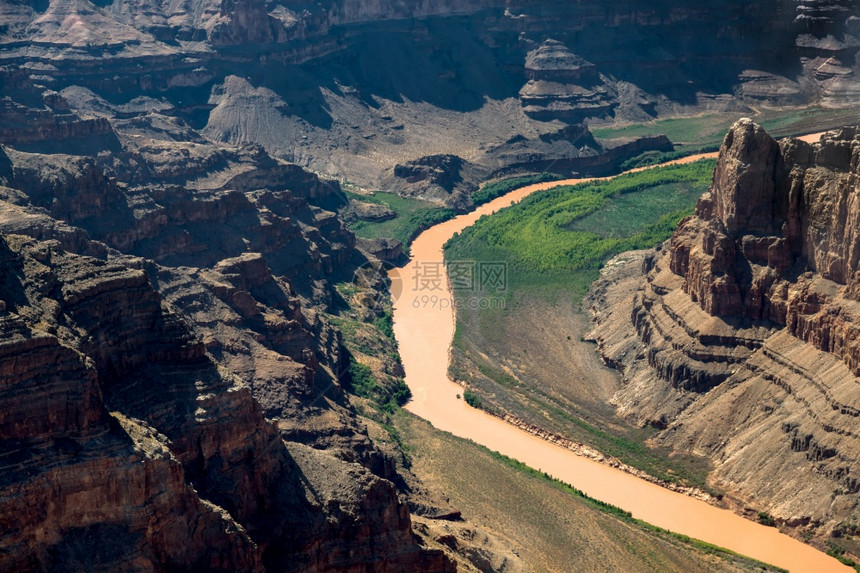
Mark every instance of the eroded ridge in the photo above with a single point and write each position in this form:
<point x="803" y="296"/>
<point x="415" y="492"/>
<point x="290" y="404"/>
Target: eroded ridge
<point x="744" y="344"/>
<point x="124" y="445"/>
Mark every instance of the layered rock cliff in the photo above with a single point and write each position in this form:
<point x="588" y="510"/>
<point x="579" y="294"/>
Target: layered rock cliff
<point x="172" y="386"/>
<point x="126" y="446"/>
<point x="740" y="341"/>
<point x="352" y="91"/>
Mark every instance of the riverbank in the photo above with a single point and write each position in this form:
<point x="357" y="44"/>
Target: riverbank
<point x="540" y="522"/>
<point x="529" y="359"/>
<point x="424" y="327"/>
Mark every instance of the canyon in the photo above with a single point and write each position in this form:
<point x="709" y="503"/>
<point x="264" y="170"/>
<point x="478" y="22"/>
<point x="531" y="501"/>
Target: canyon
<point x="737" y="338"/>
<point x="125" y="444"/>
<point x="174" y="178"/>
<point x="358" y="94"/>
<point x="425" y="331"/>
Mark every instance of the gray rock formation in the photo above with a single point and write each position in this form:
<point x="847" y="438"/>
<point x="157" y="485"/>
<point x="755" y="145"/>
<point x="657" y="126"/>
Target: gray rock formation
<point x="562" y="85"/>
<point x="353" y="81"/>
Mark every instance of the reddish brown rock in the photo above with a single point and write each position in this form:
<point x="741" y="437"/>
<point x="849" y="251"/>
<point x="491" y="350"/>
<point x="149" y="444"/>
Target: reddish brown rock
<point x="744" y="187"/>
<point x="746" y="344"/>
<point x="126" y="447"/>
<point x="772" y="211"/>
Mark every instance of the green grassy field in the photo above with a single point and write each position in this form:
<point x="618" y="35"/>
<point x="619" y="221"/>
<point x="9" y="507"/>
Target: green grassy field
<point x="633" y="213"/>
<point x="561" y="237"/>
<point x="809" y="120"/>
<point x="554" y="244"/>
<point x="692" y="131"/>
<point x="709" y="129"/>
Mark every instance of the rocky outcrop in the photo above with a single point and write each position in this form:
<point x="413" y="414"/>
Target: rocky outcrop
<point x="33" y="116"/>
<point x="257" y="204"/>
<point x="446" y="179"/>
<point x="745" y="326"/>
<point x="382" y="249"/>
<point x="562" y="85"/>
<point x="22" y="125"/>
<point x="554" y="152"/>
<point x="126" y="446"/>
<point x="774" y="210"/>
<point x="365" y="211"/>
<point x="770" y="88"/>
<point x="68" y="500"/>
<point x="460" y="79"/>
<point x="827" y="40"/>
<point x="201" y="321"/>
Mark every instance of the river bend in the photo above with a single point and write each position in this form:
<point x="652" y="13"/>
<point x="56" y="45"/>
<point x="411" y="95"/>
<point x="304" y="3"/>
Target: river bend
<point x="424" y="333"/>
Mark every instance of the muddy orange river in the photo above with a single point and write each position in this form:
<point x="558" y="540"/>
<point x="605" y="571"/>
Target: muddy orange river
<point x="424" y="332"/>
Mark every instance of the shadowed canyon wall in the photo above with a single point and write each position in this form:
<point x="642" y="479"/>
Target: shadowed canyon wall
<point x="169" y="172"/>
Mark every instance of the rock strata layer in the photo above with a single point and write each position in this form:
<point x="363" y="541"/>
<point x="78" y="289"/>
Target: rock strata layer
<point x="125" y="446"/>
<point x="360" y="92"/>
<point x="739" y="339"/>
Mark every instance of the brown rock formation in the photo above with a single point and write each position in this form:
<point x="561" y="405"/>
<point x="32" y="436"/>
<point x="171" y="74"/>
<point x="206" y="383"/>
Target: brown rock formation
<point x="746" y="345"/>
<point x="125" y="446"/>
<point x="562" y="85"/>
<point x="202" y="320"/>
<point x="177" y="143"/>
<point x="444" y="178"/>
<point x="451" y="87"/>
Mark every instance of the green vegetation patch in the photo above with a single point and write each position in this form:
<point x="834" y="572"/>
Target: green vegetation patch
<point x="705" y="132"/>
<point x="494" y="189"/>
<point x="698" y="130"/>
<point x="373" y="361"/>
<point x="649" y="158"/>
<point x="633" y="213"/>
<point x="472" y="399"/>
<point x="839" y="554"/>
<point x="364" y="384"/>
<point x="558" y="236"/>
<point x="413" y="216"/>
<point x="385" y="323"/>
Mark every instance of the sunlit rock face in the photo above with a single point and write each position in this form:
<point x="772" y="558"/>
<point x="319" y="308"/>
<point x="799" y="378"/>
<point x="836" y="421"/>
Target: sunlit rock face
<point x="168" y="180"/>
<point x="739" y="339"/>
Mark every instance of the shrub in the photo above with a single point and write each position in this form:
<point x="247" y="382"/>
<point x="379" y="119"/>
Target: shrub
<point x="363" y="384"/>
<point x="472" y="399"/>
<point x="385" y="324"/>
<point x="361" y="381"/>
<point x="490" y="191"/>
